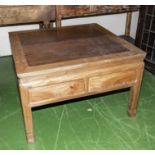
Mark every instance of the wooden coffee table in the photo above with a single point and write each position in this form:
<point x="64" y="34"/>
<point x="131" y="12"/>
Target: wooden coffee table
<point x="71" y="62"/>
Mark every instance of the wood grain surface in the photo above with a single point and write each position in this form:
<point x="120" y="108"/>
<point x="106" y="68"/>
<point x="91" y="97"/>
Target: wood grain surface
<point x="84" y="10"/>
<point x="17" y="14"/>
<point x="71" y="44"/>
<point x="72" y="62"/>
<point x="70" y="11"/>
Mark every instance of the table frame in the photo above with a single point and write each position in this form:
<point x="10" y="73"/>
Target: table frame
<point x="76" y="78"/>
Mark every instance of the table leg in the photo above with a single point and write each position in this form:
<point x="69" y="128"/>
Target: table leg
<point x="134" y="92"/>
<point x="27" y="113"/>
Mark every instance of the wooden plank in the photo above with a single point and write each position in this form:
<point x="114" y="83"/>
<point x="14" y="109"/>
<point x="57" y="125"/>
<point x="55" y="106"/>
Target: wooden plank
<point x="17" y="14"/>
<point x="67" y="11"/>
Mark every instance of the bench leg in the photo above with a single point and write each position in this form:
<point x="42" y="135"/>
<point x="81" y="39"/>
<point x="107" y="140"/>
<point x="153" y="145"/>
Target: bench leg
<point x="134" y="92"/>
<point x="128" y="23"/>
<point x="27" y="113"/>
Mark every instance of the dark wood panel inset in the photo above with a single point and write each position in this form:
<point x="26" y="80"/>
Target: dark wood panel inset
<point x="65" y="33"/>
<point x="53" y="46"/>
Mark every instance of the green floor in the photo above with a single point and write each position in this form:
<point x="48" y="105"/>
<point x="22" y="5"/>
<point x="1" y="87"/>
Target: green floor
<point x="99" y="122"/>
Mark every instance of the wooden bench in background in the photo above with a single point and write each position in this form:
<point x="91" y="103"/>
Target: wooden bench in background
<point x="46" y="15"/>
<point x="27" y="14"/>
<point x="64" y="12"/>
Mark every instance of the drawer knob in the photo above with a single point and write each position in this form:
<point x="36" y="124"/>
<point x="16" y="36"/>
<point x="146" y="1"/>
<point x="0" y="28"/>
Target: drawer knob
<point x="71" y="87"/>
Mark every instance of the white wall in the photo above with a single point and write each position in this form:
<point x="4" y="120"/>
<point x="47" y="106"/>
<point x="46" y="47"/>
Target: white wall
<point x="115" y="23"/>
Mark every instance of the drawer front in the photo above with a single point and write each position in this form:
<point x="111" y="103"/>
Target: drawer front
<point x="56" y="92"/>
<point x="112" y="81"/>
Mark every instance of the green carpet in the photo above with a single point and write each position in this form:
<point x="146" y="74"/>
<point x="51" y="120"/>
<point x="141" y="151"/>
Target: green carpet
<point x="98" y="122"/>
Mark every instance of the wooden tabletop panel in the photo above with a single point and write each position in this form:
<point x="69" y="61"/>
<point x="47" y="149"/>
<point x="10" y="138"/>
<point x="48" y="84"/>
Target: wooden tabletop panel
<point x="45" y="47"/>
<point x="44" y="50"/>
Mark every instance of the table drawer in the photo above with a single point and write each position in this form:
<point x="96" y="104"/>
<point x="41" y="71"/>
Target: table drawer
<point x="111" y="81"/>
<point x="56" y="92"/>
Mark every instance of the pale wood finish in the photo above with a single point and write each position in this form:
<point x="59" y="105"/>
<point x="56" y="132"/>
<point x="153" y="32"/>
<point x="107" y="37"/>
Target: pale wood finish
<point x="55" y="92"/>
<point x="78" y="70"/>
<point x="134" y="93"/>
<point x="18" y="14"/>
<point x="27" y="113"/>
<point x="25" y="69"/>
<point x="100" y="83"/>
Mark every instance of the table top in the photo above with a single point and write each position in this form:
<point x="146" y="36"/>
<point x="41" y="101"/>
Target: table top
<point x="47" y="47"/>
<point x="35" y="50"/>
